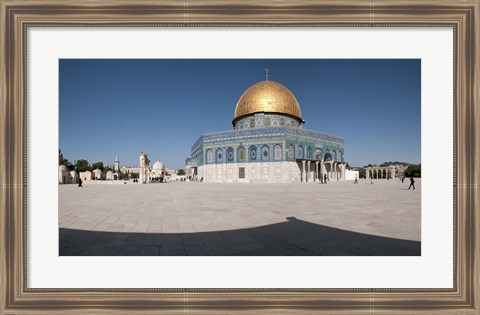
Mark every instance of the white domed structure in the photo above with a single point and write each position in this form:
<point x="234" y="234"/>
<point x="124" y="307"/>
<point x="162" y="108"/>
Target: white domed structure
<point x="63" y="175"/>
<point x="97" y="173"/>
<point x="109" y="175"/>
<point x="157" y="171"/>
<point x="85" y="176"/>
<point x="73" y="177"/>
<point x="63" y="168"/>
<point x="157" y="165"/>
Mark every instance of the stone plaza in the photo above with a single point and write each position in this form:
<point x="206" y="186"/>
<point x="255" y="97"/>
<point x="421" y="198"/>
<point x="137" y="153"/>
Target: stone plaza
<point x="371" y="218"/>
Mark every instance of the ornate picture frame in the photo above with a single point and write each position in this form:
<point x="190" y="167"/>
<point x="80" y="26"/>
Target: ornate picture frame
<point x="18" y="16"/>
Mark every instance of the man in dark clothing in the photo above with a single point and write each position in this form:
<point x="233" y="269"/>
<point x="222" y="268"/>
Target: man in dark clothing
<point x="80" y="182"/>
<point x="412" y="183"/>
<point x="325" y="178"/>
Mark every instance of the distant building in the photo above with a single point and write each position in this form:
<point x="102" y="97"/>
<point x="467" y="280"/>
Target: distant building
<point x="388" y="171"/>
<point x="157" y="172"/>
<point x="111" y="176"/>
<point x="97" y="174"/>
<point x="116" y="166"/>
<point x="86" y="176"/>
<point x="144" y="168"/>
<point x="65" y="176"/>
<point x="130" y="170"/>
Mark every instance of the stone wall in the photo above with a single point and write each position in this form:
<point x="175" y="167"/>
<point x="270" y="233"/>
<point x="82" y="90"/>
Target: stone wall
<point x="260" y="172"/>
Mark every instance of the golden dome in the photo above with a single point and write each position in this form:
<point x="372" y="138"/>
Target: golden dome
<point x="267" y="96"/>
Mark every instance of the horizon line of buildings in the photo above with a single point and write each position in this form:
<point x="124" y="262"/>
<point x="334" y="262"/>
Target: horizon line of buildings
<point x="155" y="173"/>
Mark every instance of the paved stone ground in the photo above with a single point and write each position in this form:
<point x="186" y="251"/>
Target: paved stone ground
<point x="339" y="218"/>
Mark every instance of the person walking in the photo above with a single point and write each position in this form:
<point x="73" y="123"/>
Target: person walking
<point x="80" y="182"/>
<point x="325" y="178"/>
<point x="412" y="183"/>
<point x="356" y="180"/>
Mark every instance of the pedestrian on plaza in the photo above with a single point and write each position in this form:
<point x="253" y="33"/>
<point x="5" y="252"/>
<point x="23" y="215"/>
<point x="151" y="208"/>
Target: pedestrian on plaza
<point x="80" y="182"/>
<point x="403" y="178"/>
<point x="412" y="183"/>
<point x="321" y="179"/>
<point x="325" y="178"/>
<point x="356" y="180"/>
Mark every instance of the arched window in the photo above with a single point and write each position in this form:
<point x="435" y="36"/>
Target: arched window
<point x="265" y="153"/>
<point x="230" y="155"/>
<point x="309" y="153"/>
<point x="318" y="154"/>
<point x="277" y="152"/>
<point x="290" y="152"/>
<point x="241" y="154"/>
<point x="300" y="152"/>
<point x="219" y="155"/>
<point x="328" y="157"/>
<point x="209" y="156"/>
<point x="334" y="155"/>
<point x="340" y="156"/>
<point x="252" y="153"/>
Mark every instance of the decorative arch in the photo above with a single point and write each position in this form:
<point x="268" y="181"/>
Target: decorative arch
<point x="209" y="156"/>
<point x="327" y="157"/>
<point x="334" y="155"/>
<point x="219" y="155"/>
<point x="241" y="154"/>
<point x="291" y="152"/>
<point x="229" y="154"/>
<point x="252" y="153"/>
<point x="265" y="153"/>
<point x="300" y="152"/>
<point x="277" y="152"/>
<point x="309" y="152"/>
<point x="318" y="154"/>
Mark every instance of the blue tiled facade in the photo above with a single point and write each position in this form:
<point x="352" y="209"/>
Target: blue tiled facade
<point x="271" y="144"/>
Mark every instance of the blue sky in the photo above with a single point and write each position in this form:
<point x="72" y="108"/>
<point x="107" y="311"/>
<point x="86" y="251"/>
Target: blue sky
<point x="162" y="106"/>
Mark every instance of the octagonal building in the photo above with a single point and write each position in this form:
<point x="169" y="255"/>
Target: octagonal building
<point x="268" y="143"/>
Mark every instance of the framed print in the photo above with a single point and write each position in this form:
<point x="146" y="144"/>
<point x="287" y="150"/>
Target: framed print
<point x="276" y="131"/>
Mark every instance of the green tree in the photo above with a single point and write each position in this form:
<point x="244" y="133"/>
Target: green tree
<point x="63" y="161"/>
<point x="134" y="175"/>
<point x="414" y="170"/>
<point x="82" y="166"/>
<point x="361" y="172"/>
<point x="181" y="172"/>
<point x="98" y="165"/>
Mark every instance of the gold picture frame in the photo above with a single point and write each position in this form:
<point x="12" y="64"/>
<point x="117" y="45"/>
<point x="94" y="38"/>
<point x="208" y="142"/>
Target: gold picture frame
<point x="17" y="16"/>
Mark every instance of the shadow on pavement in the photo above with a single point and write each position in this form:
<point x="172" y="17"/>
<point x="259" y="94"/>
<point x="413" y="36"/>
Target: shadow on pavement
<point x="291" y="238"/>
